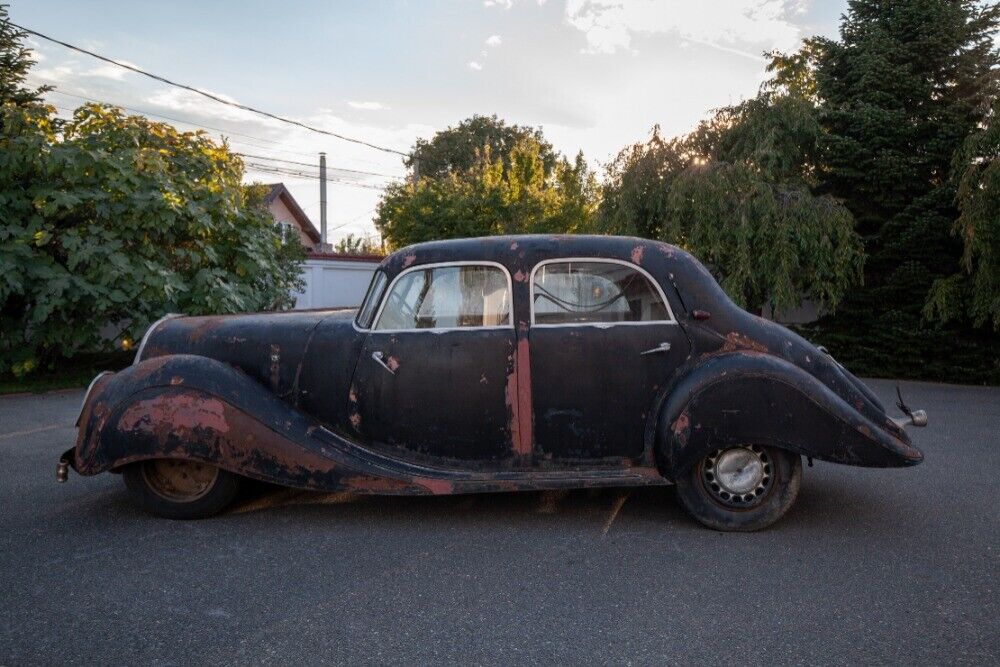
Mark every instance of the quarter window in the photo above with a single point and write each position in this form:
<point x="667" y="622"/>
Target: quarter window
<point x="594" y="292"/>
<point x="447" y="297"/>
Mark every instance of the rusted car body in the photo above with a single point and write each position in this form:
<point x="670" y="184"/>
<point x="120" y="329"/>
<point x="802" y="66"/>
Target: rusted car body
<point x="536" y="393"/>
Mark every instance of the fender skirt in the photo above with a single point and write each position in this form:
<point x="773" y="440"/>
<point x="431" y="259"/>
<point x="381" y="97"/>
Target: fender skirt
<point x="748" y="397"/>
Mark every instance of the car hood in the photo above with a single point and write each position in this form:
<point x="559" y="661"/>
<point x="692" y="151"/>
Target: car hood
<point x="269" y="347"/>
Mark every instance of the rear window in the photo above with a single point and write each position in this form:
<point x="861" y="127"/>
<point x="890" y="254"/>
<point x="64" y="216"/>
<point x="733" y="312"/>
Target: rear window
<point x="594" y="292"/>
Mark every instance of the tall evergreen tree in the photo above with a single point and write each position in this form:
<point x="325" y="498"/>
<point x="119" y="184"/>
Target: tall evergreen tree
<point x="15" y="61"/>
<point x="898" y="94"/>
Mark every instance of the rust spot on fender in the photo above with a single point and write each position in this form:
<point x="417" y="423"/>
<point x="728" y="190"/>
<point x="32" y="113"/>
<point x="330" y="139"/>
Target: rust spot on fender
<point x="681" y="423"/>
<point x="408" y="260"/>
<point x="737" y="341"/>
<point x="173" y="413"/>
<point x="637" y="254"/>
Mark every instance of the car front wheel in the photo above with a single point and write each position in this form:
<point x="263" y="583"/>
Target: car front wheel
<point x="741" y="488"/>
<point x="177" y="489"/>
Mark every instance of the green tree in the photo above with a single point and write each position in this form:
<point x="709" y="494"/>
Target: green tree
<point x="496" y="195"/>
<point x="975" y="292"/>
<point x="110" y="219"/>
<point x="357" y="245"/>
<point x="455" y="149"/>
<point x="898" y="94"/>
<point x="738" y="193"/>
<point x="767" y="243"/>
<point x="15" y="62"/>
<point x="634" y="200"/>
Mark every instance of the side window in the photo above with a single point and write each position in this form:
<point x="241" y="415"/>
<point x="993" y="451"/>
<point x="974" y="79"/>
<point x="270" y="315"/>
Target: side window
<point x="372" y="298"/>
<point x="447" y="297"/>
<point x="594" y="292"/>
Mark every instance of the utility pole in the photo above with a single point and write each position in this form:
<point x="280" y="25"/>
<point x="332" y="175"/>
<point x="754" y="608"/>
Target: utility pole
<point x="322" y="201"/>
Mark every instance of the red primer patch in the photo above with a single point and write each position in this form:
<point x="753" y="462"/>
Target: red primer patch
<point x="178" y="412"/>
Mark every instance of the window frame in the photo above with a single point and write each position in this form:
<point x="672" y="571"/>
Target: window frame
<point x="368" y="294"/>
<point x="373" y="328"/>
<point x="601" y="325"/>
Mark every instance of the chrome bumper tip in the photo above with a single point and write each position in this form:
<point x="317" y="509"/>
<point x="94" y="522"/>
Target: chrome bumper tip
<point x="916" y="418"/>
<point x="62" y="471"/>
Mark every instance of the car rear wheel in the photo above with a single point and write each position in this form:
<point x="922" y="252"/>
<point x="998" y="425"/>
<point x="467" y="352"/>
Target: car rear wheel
<point x="177" y="489"/>
<point x="741" y="488"/>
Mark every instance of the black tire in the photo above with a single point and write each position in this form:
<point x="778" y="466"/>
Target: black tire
<point x="772" y="495"/>
<point x="151" y="490"/>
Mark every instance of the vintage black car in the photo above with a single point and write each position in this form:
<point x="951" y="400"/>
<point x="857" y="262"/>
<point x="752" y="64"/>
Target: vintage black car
<point x="485" y="365"/>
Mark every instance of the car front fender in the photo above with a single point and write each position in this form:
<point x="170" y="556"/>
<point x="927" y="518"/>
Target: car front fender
<point x="750" y="397"/>
<point x="194" y="408"/>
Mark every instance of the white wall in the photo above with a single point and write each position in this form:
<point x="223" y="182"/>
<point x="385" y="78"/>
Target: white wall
<point x="332" y="283"/>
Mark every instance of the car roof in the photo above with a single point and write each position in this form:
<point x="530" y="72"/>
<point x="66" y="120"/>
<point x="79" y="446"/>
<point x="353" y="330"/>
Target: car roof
<point x="524" y="251"/>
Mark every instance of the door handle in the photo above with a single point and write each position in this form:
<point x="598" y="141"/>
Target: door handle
<point x="377" y="356"/>
<point x="662" y="347"/>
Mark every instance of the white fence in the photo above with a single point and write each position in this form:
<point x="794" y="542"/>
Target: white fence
<point x="335" y="282"/>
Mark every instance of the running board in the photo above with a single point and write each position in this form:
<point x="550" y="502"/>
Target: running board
<point x="465" y="481"/>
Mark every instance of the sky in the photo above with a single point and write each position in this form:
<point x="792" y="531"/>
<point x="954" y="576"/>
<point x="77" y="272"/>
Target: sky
<point x="595" y="75"/>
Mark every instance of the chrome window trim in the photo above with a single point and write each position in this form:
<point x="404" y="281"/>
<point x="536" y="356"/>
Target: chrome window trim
<point x="599" y="325"/>
<point x="441" y="265"/>
<point x="357" y="314"/>
<point x="149" y="331"/>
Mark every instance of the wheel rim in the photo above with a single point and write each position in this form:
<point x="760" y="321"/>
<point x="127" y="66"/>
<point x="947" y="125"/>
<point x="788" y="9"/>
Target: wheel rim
<point x="179" y="481"/>
<point x="738" y="477"/>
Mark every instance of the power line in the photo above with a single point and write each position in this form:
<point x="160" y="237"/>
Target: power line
<point x="256" y="157"/>
<point x="308" y="164"/>
<point x="225" y="133"/>
<point x="210" y="96"/>
<point x="170" y="118"/>
<point x="270" y="169"/>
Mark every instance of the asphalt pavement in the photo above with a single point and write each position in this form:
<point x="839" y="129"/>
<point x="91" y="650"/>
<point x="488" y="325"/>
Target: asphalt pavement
<point x="869" y="567"/>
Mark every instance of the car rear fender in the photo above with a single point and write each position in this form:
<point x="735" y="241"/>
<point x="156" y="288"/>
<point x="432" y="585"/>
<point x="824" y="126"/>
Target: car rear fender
<point x="750" y="397"/>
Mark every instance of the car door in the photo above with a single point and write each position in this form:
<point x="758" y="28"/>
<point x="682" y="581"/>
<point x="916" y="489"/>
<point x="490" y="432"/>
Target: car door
<point x="603" y="341"/>
<point x="432" y="378"/>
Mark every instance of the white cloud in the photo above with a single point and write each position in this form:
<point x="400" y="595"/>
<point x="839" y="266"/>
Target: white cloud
<point x="368" y="106"/>
<point x="506" y="4"/>
<point x="177" y="99"/>
<point x="494" y="40"/>
<point x="56" y="74"/>
<point x="110" y="71"/>
<point x="744" y="27"/>
<point x="474" y="65"/>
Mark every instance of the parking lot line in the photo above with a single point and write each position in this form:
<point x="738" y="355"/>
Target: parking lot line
<point x="14" y="434"/>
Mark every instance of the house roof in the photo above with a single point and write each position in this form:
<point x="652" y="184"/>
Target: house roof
<point x="279" y="191"/>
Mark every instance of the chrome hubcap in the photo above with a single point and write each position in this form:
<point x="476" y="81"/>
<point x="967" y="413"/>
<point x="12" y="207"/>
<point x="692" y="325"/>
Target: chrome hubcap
<point x="179" y="481"/>
<point x="739" y="476"/>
